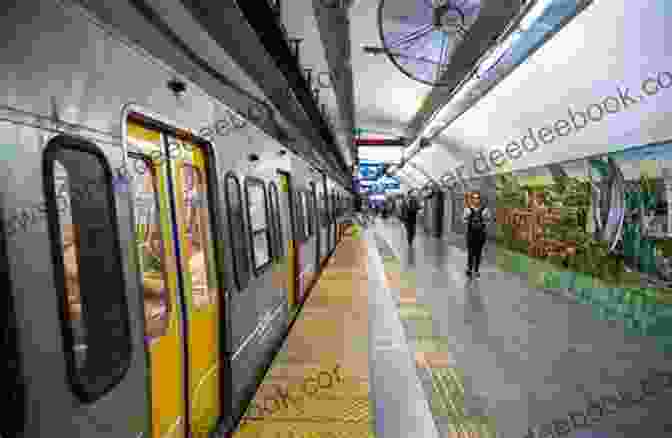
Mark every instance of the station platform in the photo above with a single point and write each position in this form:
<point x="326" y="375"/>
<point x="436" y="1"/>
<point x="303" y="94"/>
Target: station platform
<point x="413" y="348"/>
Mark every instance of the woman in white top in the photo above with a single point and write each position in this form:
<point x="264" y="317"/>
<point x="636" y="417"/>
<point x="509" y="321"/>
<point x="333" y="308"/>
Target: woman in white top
<point x="477" y="219"/>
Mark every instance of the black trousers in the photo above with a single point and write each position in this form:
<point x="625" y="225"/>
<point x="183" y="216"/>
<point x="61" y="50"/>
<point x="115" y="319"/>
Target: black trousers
<point x="475" y="243"/>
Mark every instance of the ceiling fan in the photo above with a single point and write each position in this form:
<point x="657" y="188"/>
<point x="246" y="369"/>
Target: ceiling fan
<point x="420" y="36"/>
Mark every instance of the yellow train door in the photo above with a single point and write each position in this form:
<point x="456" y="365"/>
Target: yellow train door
<point x="161" y="291"/>
<point x="200" y="283"/>
<point x="181" y="289"/>
<point x="287" y="206"/>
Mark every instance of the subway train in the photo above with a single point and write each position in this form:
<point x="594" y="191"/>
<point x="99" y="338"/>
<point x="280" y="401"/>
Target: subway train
<point x="149" y="275"/>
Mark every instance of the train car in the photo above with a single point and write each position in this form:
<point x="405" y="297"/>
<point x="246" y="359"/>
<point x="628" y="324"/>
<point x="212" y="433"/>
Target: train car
<point x="303" y="180"/>
<point x="148" y="272"/>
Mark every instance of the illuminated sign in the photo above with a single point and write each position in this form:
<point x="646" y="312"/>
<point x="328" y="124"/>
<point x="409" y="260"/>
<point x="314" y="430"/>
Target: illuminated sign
<point x="370" y="170"/>
<point x="390" y="183"/>
<point x="380" y="141"/>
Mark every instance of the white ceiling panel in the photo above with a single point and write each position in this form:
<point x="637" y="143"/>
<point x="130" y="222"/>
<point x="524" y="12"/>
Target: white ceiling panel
<point x="415" y="175"/>
<point x="612" y="45"/>
<point x="436" y="160"/>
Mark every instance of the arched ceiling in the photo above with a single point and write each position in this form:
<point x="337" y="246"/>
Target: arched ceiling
<point x="386" y="100"/>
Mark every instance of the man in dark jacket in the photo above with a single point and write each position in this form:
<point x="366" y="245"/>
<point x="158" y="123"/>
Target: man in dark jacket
<point x="477" y="218"/>
<point x="410" y="217"/>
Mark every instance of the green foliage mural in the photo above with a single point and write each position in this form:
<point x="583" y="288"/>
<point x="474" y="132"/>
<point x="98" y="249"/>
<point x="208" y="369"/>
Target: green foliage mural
<point x="573" y="197"/>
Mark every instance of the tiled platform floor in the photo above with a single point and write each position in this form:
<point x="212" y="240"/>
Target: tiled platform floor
<point x="528" y="357"/>
<point x="318" y="385"/>
<point x="406" y="346"/>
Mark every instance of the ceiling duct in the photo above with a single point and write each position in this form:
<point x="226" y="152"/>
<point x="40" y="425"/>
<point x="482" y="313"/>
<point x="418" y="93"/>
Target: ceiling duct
<point x="334" y="29"/>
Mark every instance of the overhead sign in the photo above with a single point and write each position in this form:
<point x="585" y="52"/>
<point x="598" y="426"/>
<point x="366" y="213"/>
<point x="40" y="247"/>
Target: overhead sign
<point x="400" y="141"/>
<point x="370" y="170"/>
<point x="390" y="182"/>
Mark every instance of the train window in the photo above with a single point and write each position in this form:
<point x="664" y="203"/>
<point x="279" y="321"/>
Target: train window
<point x="151" y="250"/>
<point x="303" y="219"/>
<point x="237" y="235"/>
<point x="271" y="218"/>
<point x="257" y="215"/>
<point x="87" y="259"/>
<point x="277" y="224"/>
<point x="305" y="212"/>
<point x="311" y="213"/>
<point x="198" y="250"/>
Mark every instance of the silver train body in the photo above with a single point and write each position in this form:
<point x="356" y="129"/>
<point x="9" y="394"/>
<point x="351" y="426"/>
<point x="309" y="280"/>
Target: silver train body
<point x="74" y="99"/>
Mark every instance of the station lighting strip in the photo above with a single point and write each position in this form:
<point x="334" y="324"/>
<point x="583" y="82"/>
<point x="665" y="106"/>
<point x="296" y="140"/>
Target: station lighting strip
<point x="490" y="61"/>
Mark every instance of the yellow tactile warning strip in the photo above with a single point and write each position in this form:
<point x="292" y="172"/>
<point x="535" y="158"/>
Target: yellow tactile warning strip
<point x="318" y="385"/>
<point x="443" y="382"/>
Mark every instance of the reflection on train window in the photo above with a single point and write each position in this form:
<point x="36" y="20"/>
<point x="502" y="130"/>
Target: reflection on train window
<point x="237" y="235"/>
<point x="257" y="216"/>
<point x="277" y="224"/>
<point x="70" y="253"/>
<point x="88" y="268"/>
<point x="198" y="250"/>
<point x="151" y="250"/>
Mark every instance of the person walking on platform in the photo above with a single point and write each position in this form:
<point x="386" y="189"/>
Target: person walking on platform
<point x="409" y="216"/>
<point x="476" y="217"/>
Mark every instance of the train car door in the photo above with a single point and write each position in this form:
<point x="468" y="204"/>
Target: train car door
<point x="184" y="323"/>
<point x="287" y="204"/>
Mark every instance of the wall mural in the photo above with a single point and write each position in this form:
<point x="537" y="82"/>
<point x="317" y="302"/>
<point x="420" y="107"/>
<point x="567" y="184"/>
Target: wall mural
<point x="607" y="216"/>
